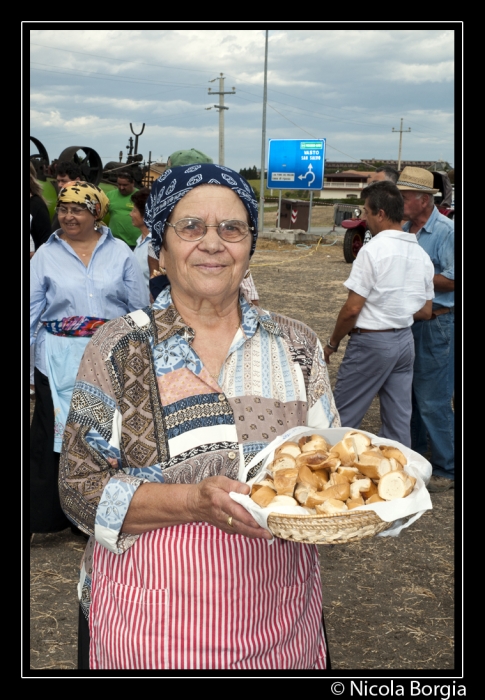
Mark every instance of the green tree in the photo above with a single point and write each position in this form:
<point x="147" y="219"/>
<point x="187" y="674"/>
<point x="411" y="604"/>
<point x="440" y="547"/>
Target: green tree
<point x="249" y="173"/>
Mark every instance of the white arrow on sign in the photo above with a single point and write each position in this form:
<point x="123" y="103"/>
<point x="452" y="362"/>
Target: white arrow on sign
<point x="309" y="172"/>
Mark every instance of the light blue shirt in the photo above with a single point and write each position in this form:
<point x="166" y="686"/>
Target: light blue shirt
<point x="141" y="254"/>
<point x="61" y="285"/>
<point x="437" y="238"/>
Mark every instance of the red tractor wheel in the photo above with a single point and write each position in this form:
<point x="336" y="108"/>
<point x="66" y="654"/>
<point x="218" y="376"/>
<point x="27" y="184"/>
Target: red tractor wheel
<point x="353" y="242"/>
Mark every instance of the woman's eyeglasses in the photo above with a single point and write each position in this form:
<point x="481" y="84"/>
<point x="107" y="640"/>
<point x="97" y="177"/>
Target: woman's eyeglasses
<point x="231" y="231"/>
<point x="74" y="211"/>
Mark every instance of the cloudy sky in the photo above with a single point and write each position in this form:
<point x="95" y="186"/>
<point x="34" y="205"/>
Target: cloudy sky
<point x="350" y="86"/>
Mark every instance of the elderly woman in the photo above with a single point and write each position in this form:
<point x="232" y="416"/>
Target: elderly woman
<point x="170" y="403"/>
<point x="79" y="278"/>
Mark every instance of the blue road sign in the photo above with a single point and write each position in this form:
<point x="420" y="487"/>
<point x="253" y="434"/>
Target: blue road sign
<point x="295" y="164"/>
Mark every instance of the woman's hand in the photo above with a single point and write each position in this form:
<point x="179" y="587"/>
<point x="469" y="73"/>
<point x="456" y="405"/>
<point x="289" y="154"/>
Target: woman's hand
<point x="209" y="501"/>
<point x="164" y="505"/>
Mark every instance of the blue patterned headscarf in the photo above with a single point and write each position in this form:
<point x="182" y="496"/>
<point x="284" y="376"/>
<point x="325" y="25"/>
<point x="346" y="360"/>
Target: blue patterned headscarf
<point x="175" y="183"/>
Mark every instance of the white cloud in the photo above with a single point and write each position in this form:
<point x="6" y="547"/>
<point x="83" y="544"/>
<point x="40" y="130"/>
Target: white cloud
<point x="350" y="85"/>
<point x="423" y="72"/>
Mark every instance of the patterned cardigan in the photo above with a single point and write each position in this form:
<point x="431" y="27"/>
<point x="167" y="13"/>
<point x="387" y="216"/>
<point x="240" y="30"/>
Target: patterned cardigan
<point x="144" y="409"/>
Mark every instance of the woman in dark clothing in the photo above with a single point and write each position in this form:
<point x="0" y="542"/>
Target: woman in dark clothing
<point x="40" y="225"/>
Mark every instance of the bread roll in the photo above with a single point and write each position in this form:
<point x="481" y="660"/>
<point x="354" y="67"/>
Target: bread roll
<point x="316" y="442"/>
<point x="284" y="461"/>
<point x="341" y="492"/>
<point x="284" y="501"/>
<point x="264" y="482"/>
<point x="389" y="451"/>
<point x="360" y="442"/>
<point x="374" y="466"/>
<point x="349" y="472"/>
<point x="302" y="492"/>
<point x="396" y="484"/>
<point x="353" y="432"/>
<point x="344" y="450"/>
<point x="358" y="486"/>
<point x="332" y="463"/>
<point x="375" y="498"/>
<point x="371" y="491"/>
<point x="308" y="478"/>
<point x="334" y="479"/>
<point x="263" y="496"/>
<point x="321" y="475"/>
<point x="289" y="448"/>
<point x="285" y="481"/>
<point x="314" y="460"/>
<point x="354" y="502"/>
<point x="331" y="507"/>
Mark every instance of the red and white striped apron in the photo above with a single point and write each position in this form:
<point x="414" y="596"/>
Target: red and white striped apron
<point x="192" y="597"/>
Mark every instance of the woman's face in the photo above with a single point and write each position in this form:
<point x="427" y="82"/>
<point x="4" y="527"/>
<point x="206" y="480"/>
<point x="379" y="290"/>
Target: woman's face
<point x="76" y="225"/>
<point x="210" y="268"/>
<point x="136" y="217"/>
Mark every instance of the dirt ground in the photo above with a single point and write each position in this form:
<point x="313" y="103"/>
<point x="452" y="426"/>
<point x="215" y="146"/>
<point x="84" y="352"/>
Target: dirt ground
<point x="388" y="602"/>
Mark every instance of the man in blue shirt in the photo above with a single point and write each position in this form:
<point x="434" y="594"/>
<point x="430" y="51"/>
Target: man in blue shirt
<point x="433" y="384"/>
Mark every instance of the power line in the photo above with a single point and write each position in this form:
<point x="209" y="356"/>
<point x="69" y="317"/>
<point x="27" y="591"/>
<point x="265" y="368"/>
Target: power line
<point x="327" y="144"/>
<point x="120" y="60"/>
<point x="87" y="74"/>
<point x="147" y="81"/>
<point x="381" y="115"/>
<point x="321" y="115"/>
<point x="194" y="70"/>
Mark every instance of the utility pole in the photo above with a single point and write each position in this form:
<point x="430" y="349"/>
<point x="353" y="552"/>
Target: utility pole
<point x="263" y="142"/>
<point x="400" y="143"/>
<point x="221" y="109"/>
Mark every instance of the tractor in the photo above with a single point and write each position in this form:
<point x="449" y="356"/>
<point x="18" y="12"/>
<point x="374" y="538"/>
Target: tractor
<point x="91" y="166"/>
<point x="357" y="233"/>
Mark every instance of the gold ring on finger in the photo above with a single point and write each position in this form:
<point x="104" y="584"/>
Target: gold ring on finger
<point x="229" y="521"/>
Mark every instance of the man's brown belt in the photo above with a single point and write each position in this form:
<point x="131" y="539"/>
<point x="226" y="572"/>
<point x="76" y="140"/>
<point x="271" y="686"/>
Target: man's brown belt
<point x="374" y="330"/>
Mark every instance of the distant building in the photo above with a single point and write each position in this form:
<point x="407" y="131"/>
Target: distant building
<point x="348" y="165"/>
<point x="154" y="172"/>
<point x="344" y="185"/>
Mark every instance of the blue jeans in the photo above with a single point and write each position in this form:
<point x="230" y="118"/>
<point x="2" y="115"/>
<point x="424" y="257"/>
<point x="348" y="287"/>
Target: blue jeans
<point x="433" y="418"/>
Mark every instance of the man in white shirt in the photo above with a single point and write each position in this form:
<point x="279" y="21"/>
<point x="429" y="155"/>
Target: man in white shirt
<point x="383" y="173"/>
<point x="390" y="285"/>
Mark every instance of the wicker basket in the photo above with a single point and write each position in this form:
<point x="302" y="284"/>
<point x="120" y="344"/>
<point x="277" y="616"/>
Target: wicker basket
<point x="327" y="529"/>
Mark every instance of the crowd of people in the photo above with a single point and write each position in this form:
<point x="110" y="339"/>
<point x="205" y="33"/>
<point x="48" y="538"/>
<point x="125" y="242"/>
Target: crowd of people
<point x="149" y="401"/>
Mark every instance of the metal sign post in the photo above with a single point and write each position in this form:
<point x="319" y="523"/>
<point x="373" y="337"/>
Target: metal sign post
<point x="279" y="209"/>
<point x="294" y="164"/>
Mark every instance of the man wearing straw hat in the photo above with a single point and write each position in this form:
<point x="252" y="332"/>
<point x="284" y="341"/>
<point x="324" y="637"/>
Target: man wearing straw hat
<point x="433" y="384"/>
